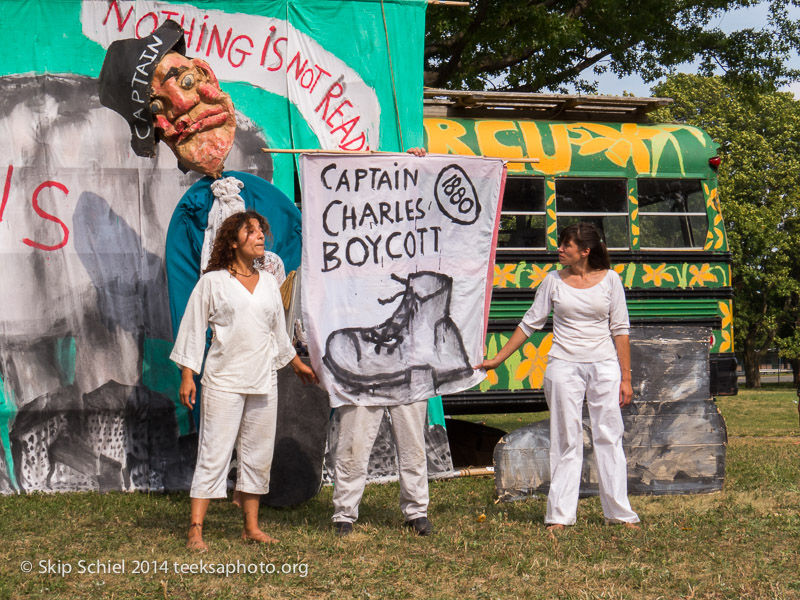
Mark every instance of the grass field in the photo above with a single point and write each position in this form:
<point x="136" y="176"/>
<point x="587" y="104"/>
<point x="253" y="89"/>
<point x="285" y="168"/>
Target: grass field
<point x="743" y="542"/>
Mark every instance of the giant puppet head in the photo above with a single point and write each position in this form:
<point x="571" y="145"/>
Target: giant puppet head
<point x="166" y="96"/>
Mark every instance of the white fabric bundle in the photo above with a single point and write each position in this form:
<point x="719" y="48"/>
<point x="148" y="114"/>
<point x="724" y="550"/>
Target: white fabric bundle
<point x="227" y="202"/>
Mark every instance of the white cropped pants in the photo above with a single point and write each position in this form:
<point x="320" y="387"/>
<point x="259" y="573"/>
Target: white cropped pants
<point x="223" y="417"/>
<point x="565" y="385"/>
<point x="358" y="429"/>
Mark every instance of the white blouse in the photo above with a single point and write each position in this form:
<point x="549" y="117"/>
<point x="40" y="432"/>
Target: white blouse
<point x="249" y="341"/>
<point x="584" y="320"/>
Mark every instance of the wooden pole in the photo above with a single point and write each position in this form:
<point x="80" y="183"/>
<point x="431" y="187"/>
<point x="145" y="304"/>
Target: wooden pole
<point x="321" y="151"/>
<point x="468" y="472"/>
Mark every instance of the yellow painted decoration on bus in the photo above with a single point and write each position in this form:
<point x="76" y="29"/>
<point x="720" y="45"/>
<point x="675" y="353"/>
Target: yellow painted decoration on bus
<point x="631" y="149"/>
<point x="533" y="365"/>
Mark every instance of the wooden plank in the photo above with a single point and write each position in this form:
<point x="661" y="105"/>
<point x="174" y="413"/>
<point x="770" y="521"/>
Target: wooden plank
<point x="546" y="106"/>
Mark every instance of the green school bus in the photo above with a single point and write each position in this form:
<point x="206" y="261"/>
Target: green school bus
<point x="650" y="187"/>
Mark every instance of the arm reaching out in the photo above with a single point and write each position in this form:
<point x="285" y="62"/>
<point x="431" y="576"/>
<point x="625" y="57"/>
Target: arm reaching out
<point x="535" y="318"/>
<point x="304" y="373"/>
<point x="517" y="339"/>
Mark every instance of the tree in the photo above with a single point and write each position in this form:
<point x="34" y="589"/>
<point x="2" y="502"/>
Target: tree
<point x="759" y="136"/>
<point x="533" y="46"/>
<point x="788" y="339"/>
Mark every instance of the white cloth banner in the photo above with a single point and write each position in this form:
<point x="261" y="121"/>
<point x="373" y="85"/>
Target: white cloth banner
<point x="397" y="259"/>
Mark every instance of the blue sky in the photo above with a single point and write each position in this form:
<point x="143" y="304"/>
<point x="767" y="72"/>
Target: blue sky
<point x="755" y="17"/>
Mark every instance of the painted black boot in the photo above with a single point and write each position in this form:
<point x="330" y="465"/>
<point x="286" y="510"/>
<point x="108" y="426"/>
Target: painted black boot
<point x="419" y="340"/>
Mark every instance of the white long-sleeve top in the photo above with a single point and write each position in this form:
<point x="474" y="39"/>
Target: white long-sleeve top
<point x="249" y="342"/>
<point x="584" y="320"/>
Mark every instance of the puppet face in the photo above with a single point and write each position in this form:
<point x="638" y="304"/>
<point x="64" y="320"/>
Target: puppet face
<point x="193" y="116"/>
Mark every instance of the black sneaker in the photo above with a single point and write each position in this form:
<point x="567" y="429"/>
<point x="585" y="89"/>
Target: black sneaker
<point x="342" y="528"/>
<point x="421" y="526"/>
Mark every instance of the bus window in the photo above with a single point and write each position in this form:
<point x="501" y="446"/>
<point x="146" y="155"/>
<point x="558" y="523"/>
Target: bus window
<point x="672" y="213"/>
<point x="602" y="202"/>
<point x="522" y="223"/>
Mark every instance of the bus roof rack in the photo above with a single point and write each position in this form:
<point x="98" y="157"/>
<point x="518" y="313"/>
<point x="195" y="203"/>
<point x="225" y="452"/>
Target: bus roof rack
<point x="567" y="107"/>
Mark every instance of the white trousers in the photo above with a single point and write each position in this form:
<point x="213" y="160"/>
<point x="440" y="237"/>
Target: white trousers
<point x="358" y="429"/>
<point x="565" y="385"/>
<point x="223" y="417"/>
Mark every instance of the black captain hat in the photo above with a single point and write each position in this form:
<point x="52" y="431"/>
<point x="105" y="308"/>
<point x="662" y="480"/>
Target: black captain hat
<point x="126" y="77"/>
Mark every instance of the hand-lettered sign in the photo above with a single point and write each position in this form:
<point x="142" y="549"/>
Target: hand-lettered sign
<point x="397" y="252"/>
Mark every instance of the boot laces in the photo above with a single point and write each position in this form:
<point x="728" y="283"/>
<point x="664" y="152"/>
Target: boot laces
<point x="390" y="333"/>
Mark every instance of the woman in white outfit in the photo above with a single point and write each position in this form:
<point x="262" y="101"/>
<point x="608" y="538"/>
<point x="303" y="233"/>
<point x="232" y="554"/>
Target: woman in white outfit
<point x="590" y="358"/>
<point x="242" y="305"/>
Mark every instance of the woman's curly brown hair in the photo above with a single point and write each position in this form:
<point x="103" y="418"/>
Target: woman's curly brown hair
<point x="223" y="254"/>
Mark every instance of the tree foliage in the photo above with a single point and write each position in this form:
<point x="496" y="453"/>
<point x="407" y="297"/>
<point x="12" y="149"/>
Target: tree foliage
<point x="534" y="46"/>
<point x="759" y="136"/>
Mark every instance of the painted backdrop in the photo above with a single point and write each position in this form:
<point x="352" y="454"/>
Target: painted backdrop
<point x="88" y="398"/>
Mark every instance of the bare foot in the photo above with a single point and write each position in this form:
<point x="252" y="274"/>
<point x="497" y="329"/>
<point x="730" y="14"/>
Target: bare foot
<point x="258" y="536"/>
<point x="194" y="539"/>
<point x="631" y="526"/>
<point x="237" y="498"/>
<point x="555" y="527"/>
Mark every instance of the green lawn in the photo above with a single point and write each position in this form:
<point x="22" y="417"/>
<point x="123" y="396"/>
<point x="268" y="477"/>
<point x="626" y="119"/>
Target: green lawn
<point x="743" y="542"/>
